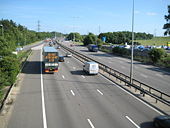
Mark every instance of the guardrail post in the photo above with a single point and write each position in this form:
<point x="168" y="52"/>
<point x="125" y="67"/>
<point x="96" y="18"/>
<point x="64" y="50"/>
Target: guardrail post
<point x="161" y="96"/>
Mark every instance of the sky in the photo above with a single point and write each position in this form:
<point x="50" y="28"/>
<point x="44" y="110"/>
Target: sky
<point x="86" y="16"/>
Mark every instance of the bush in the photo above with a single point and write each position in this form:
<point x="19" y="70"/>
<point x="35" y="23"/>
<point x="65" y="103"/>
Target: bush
<point x="121" y="51"/>
<point x="166" y="61"/>
<point x="156" y="54"/>
<point x="9" y="68"/>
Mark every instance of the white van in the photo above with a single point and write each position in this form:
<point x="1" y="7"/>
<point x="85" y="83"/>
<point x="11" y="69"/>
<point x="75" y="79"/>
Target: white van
<point x="91" y="67"/>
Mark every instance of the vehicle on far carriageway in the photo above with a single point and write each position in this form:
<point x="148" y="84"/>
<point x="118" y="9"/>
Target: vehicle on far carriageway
<point x="92" y="48"/>
<point x="50" y="59"/>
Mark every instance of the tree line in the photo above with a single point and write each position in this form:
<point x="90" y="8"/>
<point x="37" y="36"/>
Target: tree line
<point x="14" y="35"/>
<point x="110" y="37"/>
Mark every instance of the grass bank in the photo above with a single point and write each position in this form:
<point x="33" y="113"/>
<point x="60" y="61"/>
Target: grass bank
<point x="157" y="41"/>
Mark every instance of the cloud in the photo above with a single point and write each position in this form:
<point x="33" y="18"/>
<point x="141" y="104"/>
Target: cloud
<point x="151" y="13"/>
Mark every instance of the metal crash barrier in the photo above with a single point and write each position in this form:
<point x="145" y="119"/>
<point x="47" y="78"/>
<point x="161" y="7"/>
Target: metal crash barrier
<point x="137" y="85"/>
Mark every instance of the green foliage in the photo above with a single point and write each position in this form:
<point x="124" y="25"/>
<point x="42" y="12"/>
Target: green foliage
<point x="10" y="35"/>
<point x="155" y="41"/>
<point x="166" y="61"/>
<point x="90" y="39"/>
<point x="122" y="37"/>
<point x="10" y="67"/>
<point x="121" y="51"/>
<point x="99" y="42"/>
<point x="167" y="25"/>
<point x="75" y="37"/>
<point x="156" y="54"/>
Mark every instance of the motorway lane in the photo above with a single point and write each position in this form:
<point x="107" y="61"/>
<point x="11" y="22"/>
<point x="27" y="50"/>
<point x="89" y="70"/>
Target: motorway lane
<point x="27" y="112"/>
<point x="74" y="111"/>
<point x="105" y="111"/>
<point x="74" y="99"/>
<point x="148" y="74"/>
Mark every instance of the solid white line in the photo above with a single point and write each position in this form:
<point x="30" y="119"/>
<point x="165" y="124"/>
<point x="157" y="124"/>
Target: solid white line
<point x="99" y="91"/>
<point x="42" y="96"/>
<point x="63" y="76"/>
<point x="72" y="92"/>
<point x="74" y="67"/>
<point x="82" y="76"/>
<point x="134" y="96"/>
<point x="132" y="121"/>
<point x="91" y="124"/>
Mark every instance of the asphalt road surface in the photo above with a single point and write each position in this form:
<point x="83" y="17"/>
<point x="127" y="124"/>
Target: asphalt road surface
<point x="151" y="75"/>
<point x="73" y="99"/>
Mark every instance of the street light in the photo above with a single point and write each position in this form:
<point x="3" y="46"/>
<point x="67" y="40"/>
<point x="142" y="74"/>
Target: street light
<point x="2" y="30"/>
<point x="131" y="67"/>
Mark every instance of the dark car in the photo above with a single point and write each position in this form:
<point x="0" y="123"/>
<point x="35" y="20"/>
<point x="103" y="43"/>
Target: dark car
<point x="61" y="58"/>
<point x="162" y="122"/>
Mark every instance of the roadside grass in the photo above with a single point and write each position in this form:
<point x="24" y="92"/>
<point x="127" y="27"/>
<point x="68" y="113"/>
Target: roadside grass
<point x="157" y="41"/>
<point x="78" y="43"/>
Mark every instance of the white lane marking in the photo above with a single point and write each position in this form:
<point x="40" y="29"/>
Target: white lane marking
<point x="63" y="76"/>
<point x="72" y="92"/>
<point x="74" y="67"/>
<point x="68" y="62"/>
<point x="130" y="93"/>
<point x="134" y="96"/>
<point x="132" y="121"/>
<point x="123" y="67"/>
<point x="143" y="75"/>
<point x="91" y="124"/>
<point x="82" y="76"/>
<point x="99" y="91"/>
<point x="42" y="97"/>
<point x="159" y="75"/>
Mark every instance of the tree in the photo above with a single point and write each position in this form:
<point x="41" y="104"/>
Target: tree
<point x="75" y="37"/>
<point x="167" y="25"/>
<point x="90" y="39"/>
<point x="156" y="54"/>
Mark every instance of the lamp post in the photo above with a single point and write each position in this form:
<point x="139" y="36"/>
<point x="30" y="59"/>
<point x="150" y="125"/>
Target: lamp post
<point x="2" y="32"/>
<point x="131" y="67"/>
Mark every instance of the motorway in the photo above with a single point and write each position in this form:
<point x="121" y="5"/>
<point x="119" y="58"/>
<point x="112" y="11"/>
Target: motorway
<point x="148" y="74"/>
<point x="72" y="99"/>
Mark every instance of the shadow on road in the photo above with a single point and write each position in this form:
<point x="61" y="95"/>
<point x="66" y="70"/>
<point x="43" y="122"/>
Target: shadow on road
<point x="84" y="50"/>
<point x="32" y="67"/>
<point x="79" y="72"/>
<point x="104" y="55"/>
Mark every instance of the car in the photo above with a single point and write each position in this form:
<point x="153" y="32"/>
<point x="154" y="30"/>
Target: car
<point x="68" y="54"/>
<point x="162" y="121"/>
<point x="58" y="47"/>
<point x="61" y="58"/>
